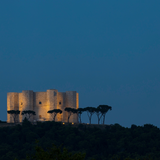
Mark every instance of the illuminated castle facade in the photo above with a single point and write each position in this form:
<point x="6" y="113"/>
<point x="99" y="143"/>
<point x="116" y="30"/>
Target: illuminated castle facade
<point x="41" y="103"/>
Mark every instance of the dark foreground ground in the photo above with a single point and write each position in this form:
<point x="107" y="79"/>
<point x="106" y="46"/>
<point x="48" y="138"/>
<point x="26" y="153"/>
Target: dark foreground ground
<point x="101" y="142"/>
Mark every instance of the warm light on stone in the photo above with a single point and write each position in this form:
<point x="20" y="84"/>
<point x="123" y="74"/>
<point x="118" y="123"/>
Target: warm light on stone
<point x="41" y="103"/>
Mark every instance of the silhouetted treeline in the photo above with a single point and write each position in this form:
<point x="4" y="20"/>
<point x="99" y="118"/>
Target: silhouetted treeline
<point x="100" y="111"/>
<point x="112" y="142"/>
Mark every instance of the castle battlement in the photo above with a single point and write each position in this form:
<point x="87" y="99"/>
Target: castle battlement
<point x="41" y="103"/>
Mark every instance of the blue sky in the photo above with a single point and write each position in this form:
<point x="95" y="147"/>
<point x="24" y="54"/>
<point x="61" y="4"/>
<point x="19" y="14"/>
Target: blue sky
<point x="108" y="51"/>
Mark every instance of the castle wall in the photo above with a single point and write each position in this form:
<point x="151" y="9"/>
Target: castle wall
<point x="77" y="106"/>
<point x="71" y="98"/>
<point x="77" y="100"/>
<point x="42" y="102"/>
<point x="40" y="105"/>
<point x="20" y="102"/>
<point x="52" y="100"/>
<point x="61" y="105"/>
<point x="27" y="101"/>
<point x="12" y="104"/>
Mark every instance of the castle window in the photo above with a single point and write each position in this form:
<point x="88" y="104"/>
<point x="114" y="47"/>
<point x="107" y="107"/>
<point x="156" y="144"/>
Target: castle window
<point x="60" y="103"/>
<point x="21" y="103"/>
<point x="40" y="102"/>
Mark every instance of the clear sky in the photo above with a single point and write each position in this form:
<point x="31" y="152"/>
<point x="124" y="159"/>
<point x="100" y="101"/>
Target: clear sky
<point x="108" y="51"/>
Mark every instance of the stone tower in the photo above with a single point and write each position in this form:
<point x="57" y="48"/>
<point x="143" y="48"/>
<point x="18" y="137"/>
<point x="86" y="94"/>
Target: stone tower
<point x="41" y="103"/>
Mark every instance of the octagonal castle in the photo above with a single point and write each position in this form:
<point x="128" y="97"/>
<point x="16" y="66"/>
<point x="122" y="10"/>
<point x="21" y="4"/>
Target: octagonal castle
<point x="41" y="103"/>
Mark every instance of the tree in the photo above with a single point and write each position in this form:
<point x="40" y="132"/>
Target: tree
<point x="70" y="112"/>
<point x="79" y="113"/>
<point x="28" y="113"/>
<point x="104" y="109"/>
<point x="14" y="114"/>
<point x="54" y="112"/>
<point x="98" y="113"/>
<point x="55" y="153"/>
<point x="90" y="112"/>
<point x="75" y="111"/>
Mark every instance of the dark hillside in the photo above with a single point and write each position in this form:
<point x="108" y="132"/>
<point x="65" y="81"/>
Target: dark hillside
<point x="101" y="143"/>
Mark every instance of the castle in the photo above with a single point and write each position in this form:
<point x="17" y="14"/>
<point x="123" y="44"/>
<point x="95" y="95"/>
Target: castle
<point x="41" y="103"/>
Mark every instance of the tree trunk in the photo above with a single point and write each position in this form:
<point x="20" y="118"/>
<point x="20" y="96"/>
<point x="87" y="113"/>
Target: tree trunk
<point x="54" y="117"/>
<point x="69" y="114"/>
<point x="80" y="119"/>
<point x="29" y="116"/>
<point x="90" y="119"/>
<point x="98" y="117"/>
<point x="103" y="119"/>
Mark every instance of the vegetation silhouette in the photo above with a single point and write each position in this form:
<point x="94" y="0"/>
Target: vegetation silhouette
<point x="79" y="113"/>
<point x="28" y="113"/>
<point x="54" y="153"/>
<point x="100" y="111"/>
<point x="14" y="114"/>
<point x="99" y="142"/>
<point x="90" y="112"/>
<point x="70" y="111"/>
<point x="54" y="113"/>
<point x="104" y="109"/>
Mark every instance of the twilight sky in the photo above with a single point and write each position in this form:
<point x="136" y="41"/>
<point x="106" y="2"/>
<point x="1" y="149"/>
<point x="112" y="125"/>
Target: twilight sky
<point x="108" y="51"/>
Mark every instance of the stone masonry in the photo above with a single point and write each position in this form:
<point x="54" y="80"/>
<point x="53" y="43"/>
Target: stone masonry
<point x="41" y="103"/>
